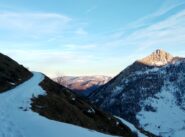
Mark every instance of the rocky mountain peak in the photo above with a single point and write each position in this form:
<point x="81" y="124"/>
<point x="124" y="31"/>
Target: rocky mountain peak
<point x="157" y="58"/>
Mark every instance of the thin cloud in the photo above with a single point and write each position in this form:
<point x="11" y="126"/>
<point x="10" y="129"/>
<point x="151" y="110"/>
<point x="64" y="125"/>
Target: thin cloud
<point x="81" y="32"/>
<point x="91" y="9"/>
<point x="146" y="21"/>
<point x="33" y="23"/>
<point x="169" y="31"/>
<point x="45" y="57"/>
<point x="75" y="47"/>
<point x="167" y="6"/>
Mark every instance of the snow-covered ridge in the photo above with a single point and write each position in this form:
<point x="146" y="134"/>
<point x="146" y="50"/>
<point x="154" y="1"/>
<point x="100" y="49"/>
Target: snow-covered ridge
<point x="83" y="84"/>
<point x="18" y="120"/>
<point x="84" y="79"/>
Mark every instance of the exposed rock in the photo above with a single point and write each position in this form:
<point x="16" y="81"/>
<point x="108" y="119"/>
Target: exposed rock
<point x="157" y="58"/>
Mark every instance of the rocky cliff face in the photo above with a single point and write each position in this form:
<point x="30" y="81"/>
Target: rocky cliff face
<point x="157" y="58"/>
<point x="148" y="93"/>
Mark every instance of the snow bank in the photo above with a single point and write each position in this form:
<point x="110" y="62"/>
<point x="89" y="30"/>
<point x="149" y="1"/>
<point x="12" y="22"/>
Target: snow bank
<point x="131" y="126"/>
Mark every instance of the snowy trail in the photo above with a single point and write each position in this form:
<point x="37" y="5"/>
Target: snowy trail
<point x="10" y="103"/>
<point x="15" y="122"/>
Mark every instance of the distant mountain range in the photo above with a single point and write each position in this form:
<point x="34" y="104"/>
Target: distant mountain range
<point x="150" y="93"/>
<point x="83" y="85"/>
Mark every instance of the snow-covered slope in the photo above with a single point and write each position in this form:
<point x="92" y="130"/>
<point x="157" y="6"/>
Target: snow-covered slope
<point x="168" y="118"/>
<point x="17" y="120"/>
<point x="150" y="93"/>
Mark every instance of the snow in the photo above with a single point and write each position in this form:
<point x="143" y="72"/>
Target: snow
<point x="132" y="127"/>
<point x="73" y="99"/>
<point x="12" y="83"/>
<point x="16" y="122"/>
<point x="116" y="91"/>
<point x="91" y="111"/>
<point x="155" y="69"/>
<point x="168" y="120"/>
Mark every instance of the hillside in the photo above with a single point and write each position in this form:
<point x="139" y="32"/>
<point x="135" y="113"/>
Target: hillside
<point x="62" y="105"/>
<point x="149" y="93"/>
<point x="11" y="73"/>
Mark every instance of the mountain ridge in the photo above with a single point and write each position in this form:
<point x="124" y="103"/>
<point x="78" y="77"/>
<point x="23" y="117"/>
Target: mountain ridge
<point x="83" y="85"/>
<point x="127" y="95"/>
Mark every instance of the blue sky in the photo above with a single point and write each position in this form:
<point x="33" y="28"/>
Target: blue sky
<point x="89" y="37"/>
